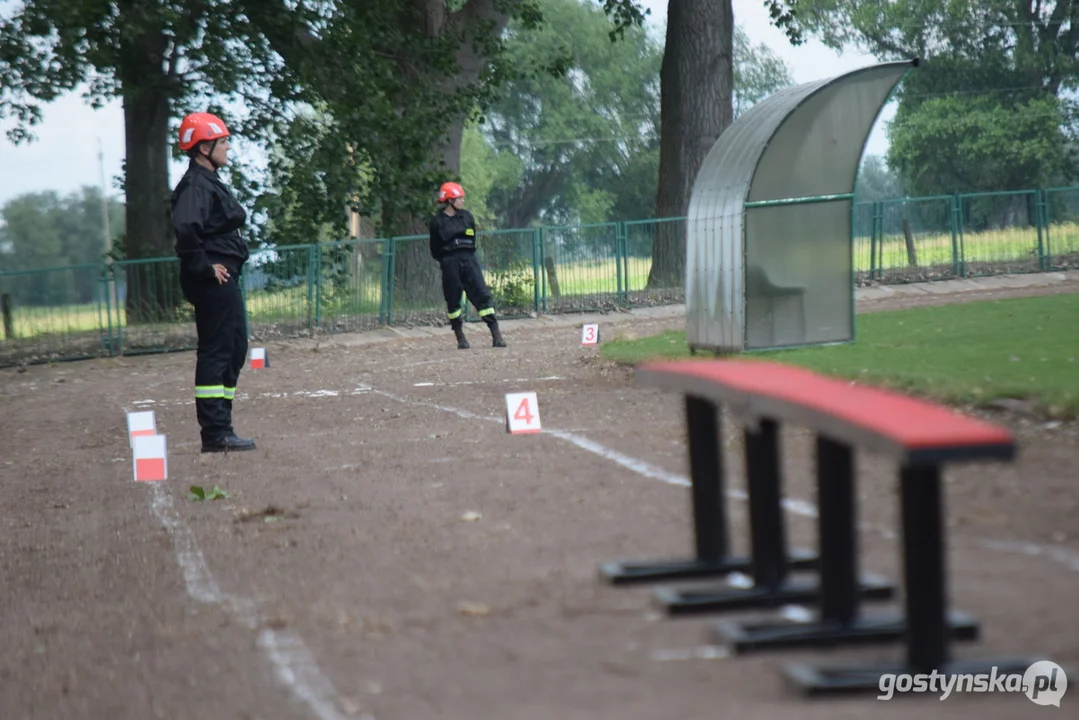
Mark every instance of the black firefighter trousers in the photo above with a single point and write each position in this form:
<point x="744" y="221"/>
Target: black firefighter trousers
<point x="462" y="277"/>
<point x="222" y="350"/>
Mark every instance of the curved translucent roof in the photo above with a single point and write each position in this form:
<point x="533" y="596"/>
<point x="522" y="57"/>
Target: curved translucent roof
<point x="802" y="142"/>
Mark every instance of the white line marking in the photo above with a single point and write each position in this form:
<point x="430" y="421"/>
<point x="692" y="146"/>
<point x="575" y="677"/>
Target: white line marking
<point x="791" y="505"/>
<point x="201" y="585"/>
<point x="293" y="663"/>
<point x="1060" y="555"/>
<point x="630" y="463"/>
<point x="704" y="652"/>
<point x="487" y="382"/>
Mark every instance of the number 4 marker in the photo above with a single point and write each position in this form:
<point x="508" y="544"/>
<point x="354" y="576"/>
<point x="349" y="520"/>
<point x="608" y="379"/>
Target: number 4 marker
<point x="590" y="334"/>
<point x="522" y="413"/>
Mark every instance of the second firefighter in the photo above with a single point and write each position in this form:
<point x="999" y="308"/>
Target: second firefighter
<point x="453" y="245"/>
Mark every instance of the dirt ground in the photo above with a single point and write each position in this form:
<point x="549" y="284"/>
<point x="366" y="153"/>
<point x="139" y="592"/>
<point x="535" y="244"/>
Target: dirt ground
<point x="391" y="552"/>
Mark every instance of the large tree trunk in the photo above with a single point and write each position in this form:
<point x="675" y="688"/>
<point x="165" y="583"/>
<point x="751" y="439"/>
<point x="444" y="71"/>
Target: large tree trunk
<point x="416" y="275"/>
<point x="152" y="292"/>
<point x="696" y="87"/>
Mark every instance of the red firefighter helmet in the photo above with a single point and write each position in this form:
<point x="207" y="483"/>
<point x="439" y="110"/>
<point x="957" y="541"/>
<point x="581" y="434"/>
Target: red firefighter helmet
<point x="450" y="191"/>
<point x="200" y="127"/>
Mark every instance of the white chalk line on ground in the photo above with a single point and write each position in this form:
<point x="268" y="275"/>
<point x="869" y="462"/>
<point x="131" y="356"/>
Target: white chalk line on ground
<point x="294" y="665"/>
<point x="487" y="382"/>
<point x="794" y="506"/>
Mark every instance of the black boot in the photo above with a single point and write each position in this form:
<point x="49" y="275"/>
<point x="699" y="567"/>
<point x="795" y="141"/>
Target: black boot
<point x="496" y="334"/>
<point x="215" y="416"/>
<point x="462" y="342"/>
<point x="228" y="443"/>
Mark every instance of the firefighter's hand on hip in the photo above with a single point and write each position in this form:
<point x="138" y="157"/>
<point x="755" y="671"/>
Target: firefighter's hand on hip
<point x="222" y="273"/>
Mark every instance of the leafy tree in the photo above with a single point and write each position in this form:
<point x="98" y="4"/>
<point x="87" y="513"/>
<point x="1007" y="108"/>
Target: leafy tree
<point x="758" y="72"/>
<point x="876" y="182"/>
<point x="162" y="59"/>
<point x="990" y="107"/>
<point x="572" y="126"/>
<point x="583" y="146"/>
<point x="44" y="230"/>
<point x="397" y="77"/>
<point x="402" y="79"/>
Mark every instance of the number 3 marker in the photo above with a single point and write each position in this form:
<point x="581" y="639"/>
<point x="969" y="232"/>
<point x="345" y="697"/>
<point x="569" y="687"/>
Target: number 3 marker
<point x="522" y="413"/>
<point x="590" y="334"/>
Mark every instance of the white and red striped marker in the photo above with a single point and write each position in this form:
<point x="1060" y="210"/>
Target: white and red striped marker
<point x="259" y="359"/>
<point x="140" y="424"/>
<point x="150" y="460"/>
<point x="590" y="334"/>
<point x="522" y="413"/>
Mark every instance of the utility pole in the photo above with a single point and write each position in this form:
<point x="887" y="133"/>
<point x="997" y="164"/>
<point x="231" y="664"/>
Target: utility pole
<point x="112" y="302"/>
<point x="104" y="200"/>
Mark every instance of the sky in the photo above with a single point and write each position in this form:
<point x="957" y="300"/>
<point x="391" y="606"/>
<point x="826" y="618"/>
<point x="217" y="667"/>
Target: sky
<point x="65" y="155"/>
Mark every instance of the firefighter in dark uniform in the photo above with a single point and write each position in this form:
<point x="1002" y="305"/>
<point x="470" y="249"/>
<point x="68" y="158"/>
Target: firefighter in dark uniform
<point x="453" y="245"/>
<point x="207" y="222"/>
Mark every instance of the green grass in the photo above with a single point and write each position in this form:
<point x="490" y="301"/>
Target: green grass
<point x="968" y="354"/>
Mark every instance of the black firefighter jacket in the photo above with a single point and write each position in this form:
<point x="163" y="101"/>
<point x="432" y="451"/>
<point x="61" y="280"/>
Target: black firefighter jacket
<point x="207" y="222"/>
<point x="449" y="234"/>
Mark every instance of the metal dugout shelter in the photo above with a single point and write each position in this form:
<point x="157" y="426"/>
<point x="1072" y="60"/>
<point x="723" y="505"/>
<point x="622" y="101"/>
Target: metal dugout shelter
<point x="769" y="246"/>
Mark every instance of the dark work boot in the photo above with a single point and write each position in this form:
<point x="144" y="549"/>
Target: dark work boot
<point x="462" y="342"/>
<point x="496" y="334"/>
<point x="228" y="443"/>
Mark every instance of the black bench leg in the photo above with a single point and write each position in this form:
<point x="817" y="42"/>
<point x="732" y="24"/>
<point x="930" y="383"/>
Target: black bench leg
<point x="709" y="509"/>
<point x="923" y="567"/>
<point x="837" y="530"/>
<point x="840" y="588"/>
<point x="767" y="533"/>
<point x="709" y="504"/>
<point x="770" y="565"/>
<point x="928" y="625"/>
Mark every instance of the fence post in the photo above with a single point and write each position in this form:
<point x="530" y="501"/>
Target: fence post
<point x="391" y="280"/>
<point x="118" y="339"/>
<point x="1041" y="211"/>
<point x="876" y="239"/>
<point x="384" y="280"/>
<point x="536" y="270"/>
<point x="962" y="251"/>
<point x="310" y="288"/>
<point x="101" y="299"/>
<point x="619" y="238"/>
<point x="5" y="308"/>
<point x="317" y="257"/>
<point x="543" y="263"/>
<point x="953" y="217"/>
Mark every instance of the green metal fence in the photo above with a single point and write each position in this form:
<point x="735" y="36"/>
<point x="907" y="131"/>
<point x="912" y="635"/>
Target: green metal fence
<point x="965" y="235"/>
<point x="136" y="306"/>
